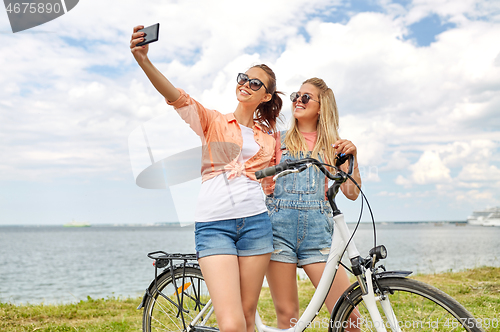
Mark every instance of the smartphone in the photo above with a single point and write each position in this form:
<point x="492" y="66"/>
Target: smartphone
<point x="151" y="34"/>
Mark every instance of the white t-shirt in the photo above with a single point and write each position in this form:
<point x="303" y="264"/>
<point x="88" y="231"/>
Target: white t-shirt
<point x="222" y="198"/>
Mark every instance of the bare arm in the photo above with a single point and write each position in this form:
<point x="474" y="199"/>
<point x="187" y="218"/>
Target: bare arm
<point x="348" y="188"/>
<point x="267" y="183"/>
<point x="160" y="82"/>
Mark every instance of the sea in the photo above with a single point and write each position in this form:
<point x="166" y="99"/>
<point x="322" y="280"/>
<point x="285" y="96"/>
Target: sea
<point x="58" y="265"/>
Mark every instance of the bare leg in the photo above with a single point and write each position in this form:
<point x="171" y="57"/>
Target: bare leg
<point x="340" y="284"/>
<point x="234" y="284"/>
<point x="252" y="270"/>
<point x="222" y="276"/>
<point x="282" y="280"/>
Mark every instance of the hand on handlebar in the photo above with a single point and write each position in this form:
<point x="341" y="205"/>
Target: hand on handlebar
<point x="344" y="146"/>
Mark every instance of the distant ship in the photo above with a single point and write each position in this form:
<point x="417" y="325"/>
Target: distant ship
<point x="487" y="217"/>
<point x="77" y="224"/>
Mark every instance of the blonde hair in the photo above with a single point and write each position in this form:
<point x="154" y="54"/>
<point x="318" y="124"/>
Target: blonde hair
<point x="327" y="127"/>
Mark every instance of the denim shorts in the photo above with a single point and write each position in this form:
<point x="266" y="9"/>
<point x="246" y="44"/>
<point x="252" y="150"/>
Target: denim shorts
<point x="301" y="235"/>
<point x="247" y="236"/>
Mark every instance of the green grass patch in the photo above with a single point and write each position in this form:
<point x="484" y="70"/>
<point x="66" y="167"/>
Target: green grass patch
<point x="477" y="289"/>
<point x="90" y="315"/>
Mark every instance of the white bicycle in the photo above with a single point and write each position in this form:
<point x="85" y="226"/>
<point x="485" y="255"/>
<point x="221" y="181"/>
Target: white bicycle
<point x="178" y="300"/>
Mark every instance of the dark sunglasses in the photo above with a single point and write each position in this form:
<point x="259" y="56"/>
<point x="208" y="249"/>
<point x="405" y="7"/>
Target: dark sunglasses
<point x="254" y="83"/>
<point x="304" y="98"/>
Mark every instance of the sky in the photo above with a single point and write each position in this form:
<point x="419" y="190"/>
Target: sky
<point x="417" y="85"/>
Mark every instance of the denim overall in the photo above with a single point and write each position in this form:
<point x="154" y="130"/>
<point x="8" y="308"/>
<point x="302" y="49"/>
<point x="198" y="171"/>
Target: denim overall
<point x="300" y="215"/>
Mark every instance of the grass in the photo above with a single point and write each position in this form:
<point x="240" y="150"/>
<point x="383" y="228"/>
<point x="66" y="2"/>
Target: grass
<point x="110" y="314"/>
<point x="477" y="289"/>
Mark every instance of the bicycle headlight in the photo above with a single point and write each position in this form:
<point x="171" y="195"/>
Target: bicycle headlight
<point x="379" y="251"/>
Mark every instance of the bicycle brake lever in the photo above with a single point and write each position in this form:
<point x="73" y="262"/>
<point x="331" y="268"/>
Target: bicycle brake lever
<point x="305" y="166"/>
<point x="288" y="171"/>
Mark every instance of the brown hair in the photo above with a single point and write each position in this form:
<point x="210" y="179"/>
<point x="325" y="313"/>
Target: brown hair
<point x="268" y="112"/>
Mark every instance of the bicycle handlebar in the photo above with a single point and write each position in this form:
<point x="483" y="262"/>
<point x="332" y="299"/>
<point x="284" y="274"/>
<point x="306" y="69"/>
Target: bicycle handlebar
<point x="301" y="164"/>
<point x="270" y="171"/>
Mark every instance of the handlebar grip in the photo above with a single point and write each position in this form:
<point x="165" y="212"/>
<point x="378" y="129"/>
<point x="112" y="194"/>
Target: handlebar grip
<point x="270" y="171"/>
<point x="351" y="164"/>
<point x="340" y="159"/>
<point x="265" y="172"/>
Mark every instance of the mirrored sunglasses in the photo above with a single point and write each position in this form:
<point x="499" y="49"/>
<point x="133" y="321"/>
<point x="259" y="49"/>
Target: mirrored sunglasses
<point x="254" y="83"/>
<point x="304" y="98"/>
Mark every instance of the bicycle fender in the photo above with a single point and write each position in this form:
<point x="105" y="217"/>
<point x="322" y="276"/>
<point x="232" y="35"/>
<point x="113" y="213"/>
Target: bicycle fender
<point x="152" y="285"/>
<point x="387" y="274"/>
<point x="346" y="295"/>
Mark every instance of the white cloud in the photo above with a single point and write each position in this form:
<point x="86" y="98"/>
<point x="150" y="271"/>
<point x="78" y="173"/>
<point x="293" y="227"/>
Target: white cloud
<point x="430" y="169"/>
<point x="72" y="95"/>
<point x="479" y="198"/>
<point x="369" y="174"/>
<point x="465" y="153"/>
<point x="474" y="158"/>
<point x="397" y="161"/>
<point x="402" y="181"/>
<point x="394" y="194"/>
<point x="447" y="8"/>
<point x="487" y="174"/>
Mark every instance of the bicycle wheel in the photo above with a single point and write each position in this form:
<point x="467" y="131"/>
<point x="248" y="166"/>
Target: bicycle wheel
<point x="173" y="307"/>
<point x="417" y="307"/>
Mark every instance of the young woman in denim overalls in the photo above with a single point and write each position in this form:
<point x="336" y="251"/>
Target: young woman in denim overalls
<point x="233" y="233"/>
<point x="298" y="208"/>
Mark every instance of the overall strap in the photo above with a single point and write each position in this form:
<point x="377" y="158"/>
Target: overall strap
<point x="282" y="139"/>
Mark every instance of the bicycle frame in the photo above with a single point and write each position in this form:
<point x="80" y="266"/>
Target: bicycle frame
<point x="371" y="285"/>
<point x="340" y="237"/>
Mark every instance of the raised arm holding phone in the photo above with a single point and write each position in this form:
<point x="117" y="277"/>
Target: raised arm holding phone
<point x="233" y="233"/>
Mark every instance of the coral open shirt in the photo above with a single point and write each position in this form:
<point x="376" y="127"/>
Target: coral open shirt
<point x="222" y="140"/>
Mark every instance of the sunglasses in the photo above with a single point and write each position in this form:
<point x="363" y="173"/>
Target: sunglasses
<point x="254" y="83"/>
<point x="304" y="98"/>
